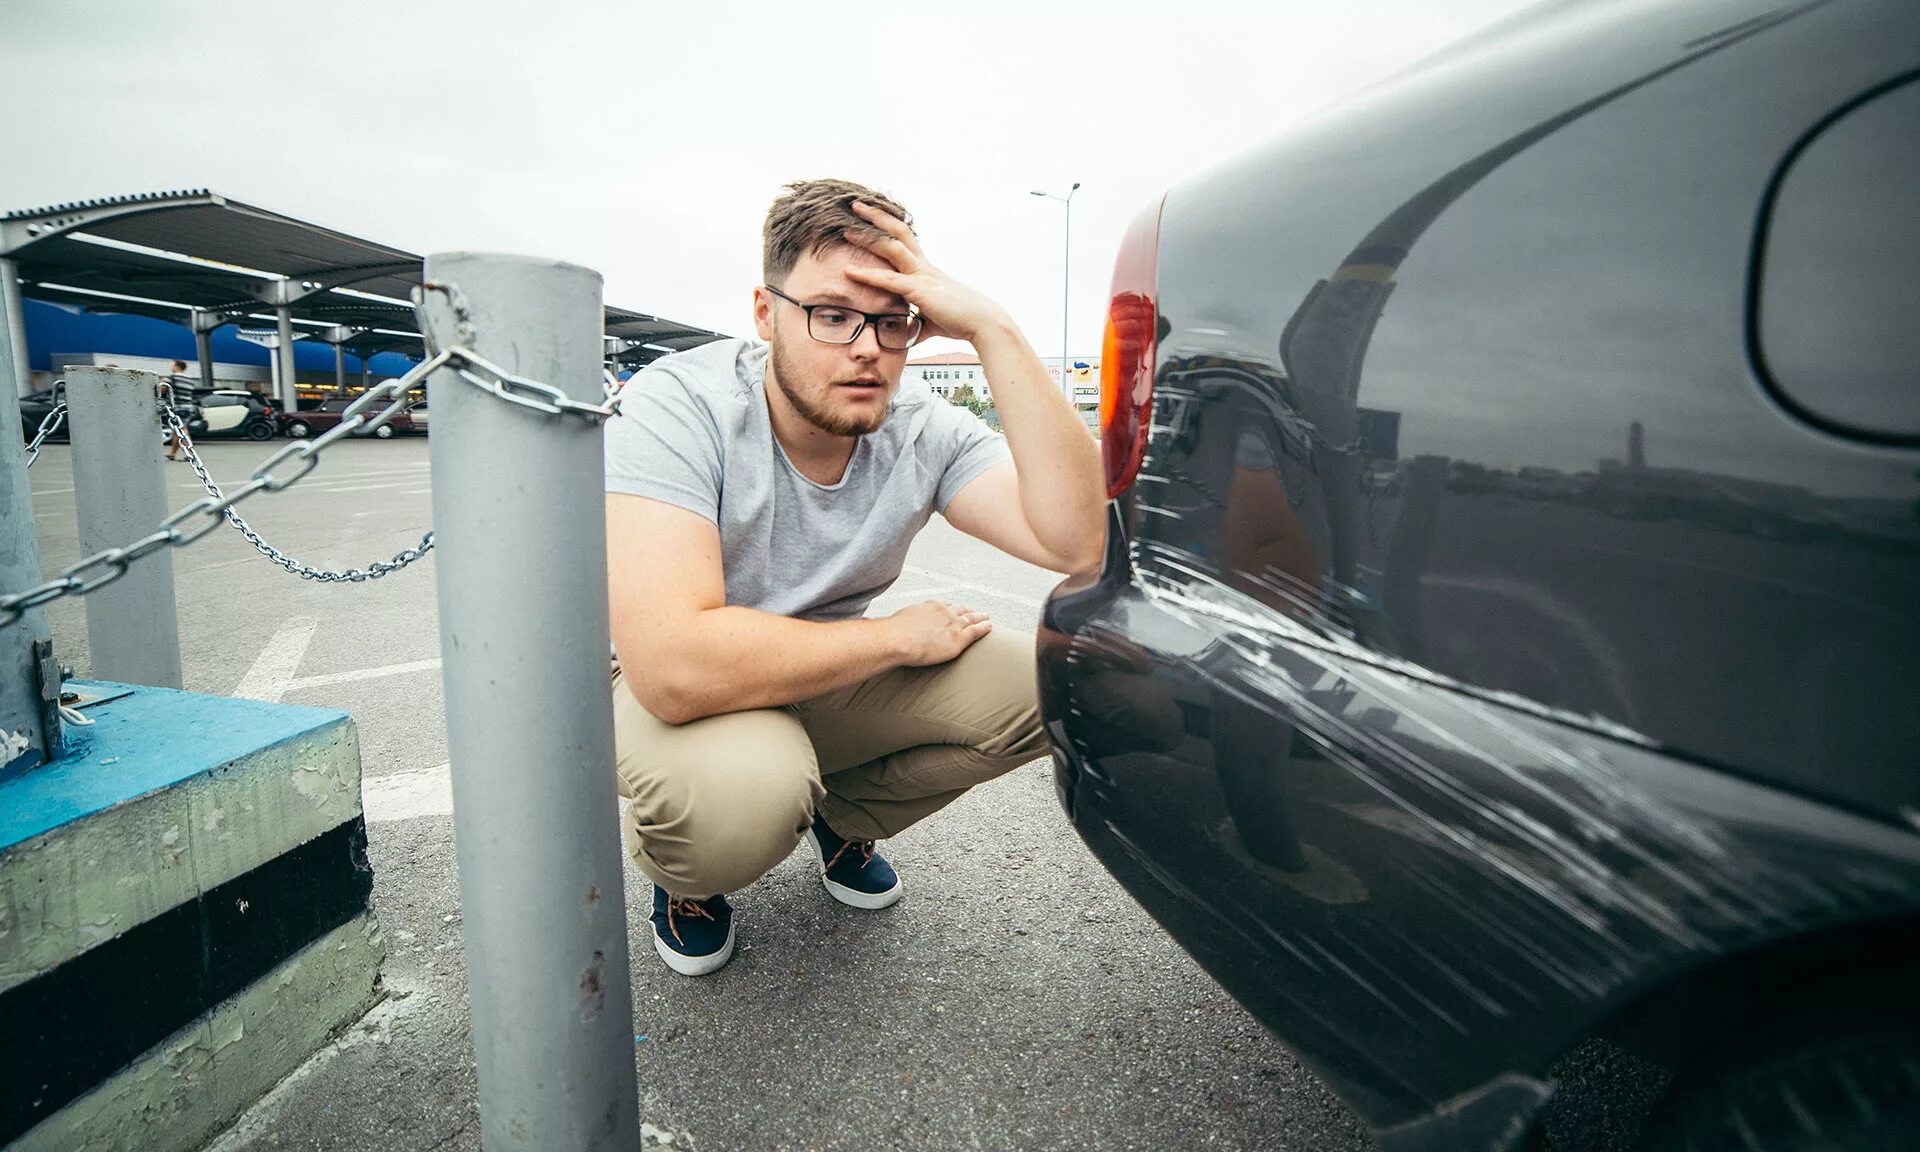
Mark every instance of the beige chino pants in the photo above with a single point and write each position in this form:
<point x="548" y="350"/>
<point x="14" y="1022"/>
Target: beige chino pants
<point x="720" y="800"/>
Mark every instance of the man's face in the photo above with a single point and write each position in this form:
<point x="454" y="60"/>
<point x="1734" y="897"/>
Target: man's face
<point x="842" y="389"/>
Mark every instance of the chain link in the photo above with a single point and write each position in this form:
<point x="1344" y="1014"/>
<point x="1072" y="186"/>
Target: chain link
<point x="48" y="426"/>
<point x="610" y="385"/>
<point x="206" y="514"/>
<point x="473" y="368"/>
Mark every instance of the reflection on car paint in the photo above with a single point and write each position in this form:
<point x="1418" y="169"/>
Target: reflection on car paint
<point x="1396" y="795"/>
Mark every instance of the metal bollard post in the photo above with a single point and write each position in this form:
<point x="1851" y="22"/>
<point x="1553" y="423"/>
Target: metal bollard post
<point x="119" y="491"/>
<point x="25" y="738"/>
<point x="521" y="542"/>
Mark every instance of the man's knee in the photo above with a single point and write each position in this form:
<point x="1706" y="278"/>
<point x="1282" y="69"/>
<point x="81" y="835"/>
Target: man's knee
<point x="1006" y="676"/>
<point x="721" y="829"/>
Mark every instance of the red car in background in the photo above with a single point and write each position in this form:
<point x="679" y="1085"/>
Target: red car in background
<point x="313" y="421"/>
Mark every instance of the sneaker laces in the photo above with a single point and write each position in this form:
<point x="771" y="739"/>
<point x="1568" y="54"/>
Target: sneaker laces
<point x="677" y="905"/>
<point x="864" y="847"/>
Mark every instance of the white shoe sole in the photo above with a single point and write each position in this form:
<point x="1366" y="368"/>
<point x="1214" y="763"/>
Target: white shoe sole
<point x="695" y="965"/>
<point x="853" y="897"/>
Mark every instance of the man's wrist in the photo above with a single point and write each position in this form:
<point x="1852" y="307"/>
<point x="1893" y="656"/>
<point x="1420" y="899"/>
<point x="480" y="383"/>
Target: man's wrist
<point x="888" y="641"/>
<point x="996" y="329"/>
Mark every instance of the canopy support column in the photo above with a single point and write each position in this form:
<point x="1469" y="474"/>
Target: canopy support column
<point x="203" y="350"/>
<point x="29" y="728"/>
<point x="16" y="324"/>
<point x="204" y="323"/>
<point x="289" y="391"/>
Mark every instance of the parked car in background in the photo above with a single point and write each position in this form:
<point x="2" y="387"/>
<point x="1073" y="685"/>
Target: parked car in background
<point x="233" y="413"/>
<point x="1502" y="675"/>
<point x="35" y="407"/>
<point x="328" y="414"/>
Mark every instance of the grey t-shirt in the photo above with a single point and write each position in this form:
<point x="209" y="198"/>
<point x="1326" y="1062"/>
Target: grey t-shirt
<point x="693" y="432"/>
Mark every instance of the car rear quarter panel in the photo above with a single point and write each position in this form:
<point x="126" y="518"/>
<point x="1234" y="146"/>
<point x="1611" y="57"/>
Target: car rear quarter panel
<point x="1482" y="645"/>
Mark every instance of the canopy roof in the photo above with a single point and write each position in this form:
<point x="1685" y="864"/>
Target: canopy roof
<point x="181" y="253"/>
<point x="636" y="338"/>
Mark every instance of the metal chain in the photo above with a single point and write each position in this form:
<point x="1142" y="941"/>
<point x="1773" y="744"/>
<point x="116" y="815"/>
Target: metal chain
<point x="473" y="368"/>
<point x="48" y="426"/>
<point x="103" y="568"/>
<point x="206" y="514"/>
<point x="372" y="571"/>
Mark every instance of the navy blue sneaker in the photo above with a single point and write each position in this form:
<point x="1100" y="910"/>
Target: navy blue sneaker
<point x="852" y="871"/>
<point x="694" y="937"/>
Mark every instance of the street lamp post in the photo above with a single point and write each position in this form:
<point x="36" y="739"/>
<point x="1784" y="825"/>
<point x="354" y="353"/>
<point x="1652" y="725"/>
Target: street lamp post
<point x="1066" y="271"/>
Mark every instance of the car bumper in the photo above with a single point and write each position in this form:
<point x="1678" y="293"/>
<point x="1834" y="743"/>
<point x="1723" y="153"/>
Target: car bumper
<point x="1429" y="896"/>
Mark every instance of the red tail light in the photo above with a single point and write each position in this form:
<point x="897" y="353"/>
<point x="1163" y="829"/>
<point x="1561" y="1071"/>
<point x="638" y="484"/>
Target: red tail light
<point x="1126" y="353"/>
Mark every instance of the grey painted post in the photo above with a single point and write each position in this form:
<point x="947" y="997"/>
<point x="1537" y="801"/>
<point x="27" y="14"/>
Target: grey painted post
<point x="14" y="307"/>
<point x="289" y="384"/>
<point x="520" y="559"/>
<point x="120" y="494"/>
<point x="203" y="350"/>
<point x="339" y="369"/>
<point x="19" y="570"/>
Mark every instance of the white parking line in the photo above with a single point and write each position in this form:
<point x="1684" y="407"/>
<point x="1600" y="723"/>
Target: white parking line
<point x="273" y="669"/>
<point x="978" y="589"/>
<point x="915" y="594"/>
<point x="405" y="470"/>
<point x="354" y="487"/>
<point x="405" y="795"/>
<point x="323" y="481"/>
<point x="325" y="678"/>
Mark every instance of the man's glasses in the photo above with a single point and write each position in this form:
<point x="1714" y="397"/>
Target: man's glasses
<point x="837" y="324"/>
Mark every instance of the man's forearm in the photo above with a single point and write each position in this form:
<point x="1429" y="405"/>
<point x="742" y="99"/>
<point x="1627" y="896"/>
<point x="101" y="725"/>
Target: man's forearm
<point x="1062" y="493"/>
<point x="732" y="659"/>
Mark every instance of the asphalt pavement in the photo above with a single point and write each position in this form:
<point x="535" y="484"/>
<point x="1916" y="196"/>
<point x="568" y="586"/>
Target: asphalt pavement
<point x="1016" y="998"/>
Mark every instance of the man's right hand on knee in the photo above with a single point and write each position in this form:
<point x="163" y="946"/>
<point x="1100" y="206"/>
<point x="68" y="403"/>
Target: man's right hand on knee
<point x="934" y="632"/>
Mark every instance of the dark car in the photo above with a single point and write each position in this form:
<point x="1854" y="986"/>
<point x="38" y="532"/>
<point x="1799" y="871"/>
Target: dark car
<point x="233" y="413"/>
<point x="34" y="409"/>
<point x="328" y="414"/>
<point x="36" y="406"/>
<point x="1503" y="675"/>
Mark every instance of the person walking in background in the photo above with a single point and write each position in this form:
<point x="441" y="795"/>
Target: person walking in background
<point x="181" y="386"/>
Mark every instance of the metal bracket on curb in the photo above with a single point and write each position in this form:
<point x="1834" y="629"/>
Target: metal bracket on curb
<point x="46" y="674"/>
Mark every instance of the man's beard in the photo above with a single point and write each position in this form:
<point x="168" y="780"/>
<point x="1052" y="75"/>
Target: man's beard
<point x="828" y="422"/>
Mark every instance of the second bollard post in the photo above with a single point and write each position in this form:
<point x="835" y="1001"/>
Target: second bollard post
<point x="120" y="495"/>
<point x="520" y="534"/>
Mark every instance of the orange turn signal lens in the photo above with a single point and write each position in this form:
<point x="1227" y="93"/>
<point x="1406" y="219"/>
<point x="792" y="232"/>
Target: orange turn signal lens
<point x="1127" y="353"/>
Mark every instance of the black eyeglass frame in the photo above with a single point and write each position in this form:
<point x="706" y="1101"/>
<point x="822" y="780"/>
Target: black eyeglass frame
<point x="911" y="314"/>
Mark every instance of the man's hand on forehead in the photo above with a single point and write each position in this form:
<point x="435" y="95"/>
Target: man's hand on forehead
<point x="951" y="309"/>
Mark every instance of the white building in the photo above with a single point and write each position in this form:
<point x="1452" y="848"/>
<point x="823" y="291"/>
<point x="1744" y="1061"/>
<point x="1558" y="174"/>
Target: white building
<point x="946" y="373"/>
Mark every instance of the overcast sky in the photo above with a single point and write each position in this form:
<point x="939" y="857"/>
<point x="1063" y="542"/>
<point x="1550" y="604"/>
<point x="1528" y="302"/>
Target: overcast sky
<point x="645" y="140"/>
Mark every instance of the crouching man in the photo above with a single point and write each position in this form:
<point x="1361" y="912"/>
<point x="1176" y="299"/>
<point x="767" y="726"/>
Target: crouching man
<point x="760" y="494"/>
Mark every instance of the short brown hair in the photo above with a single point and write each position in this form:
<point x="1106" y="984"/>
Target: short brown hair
<point x="810" y="217"/>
